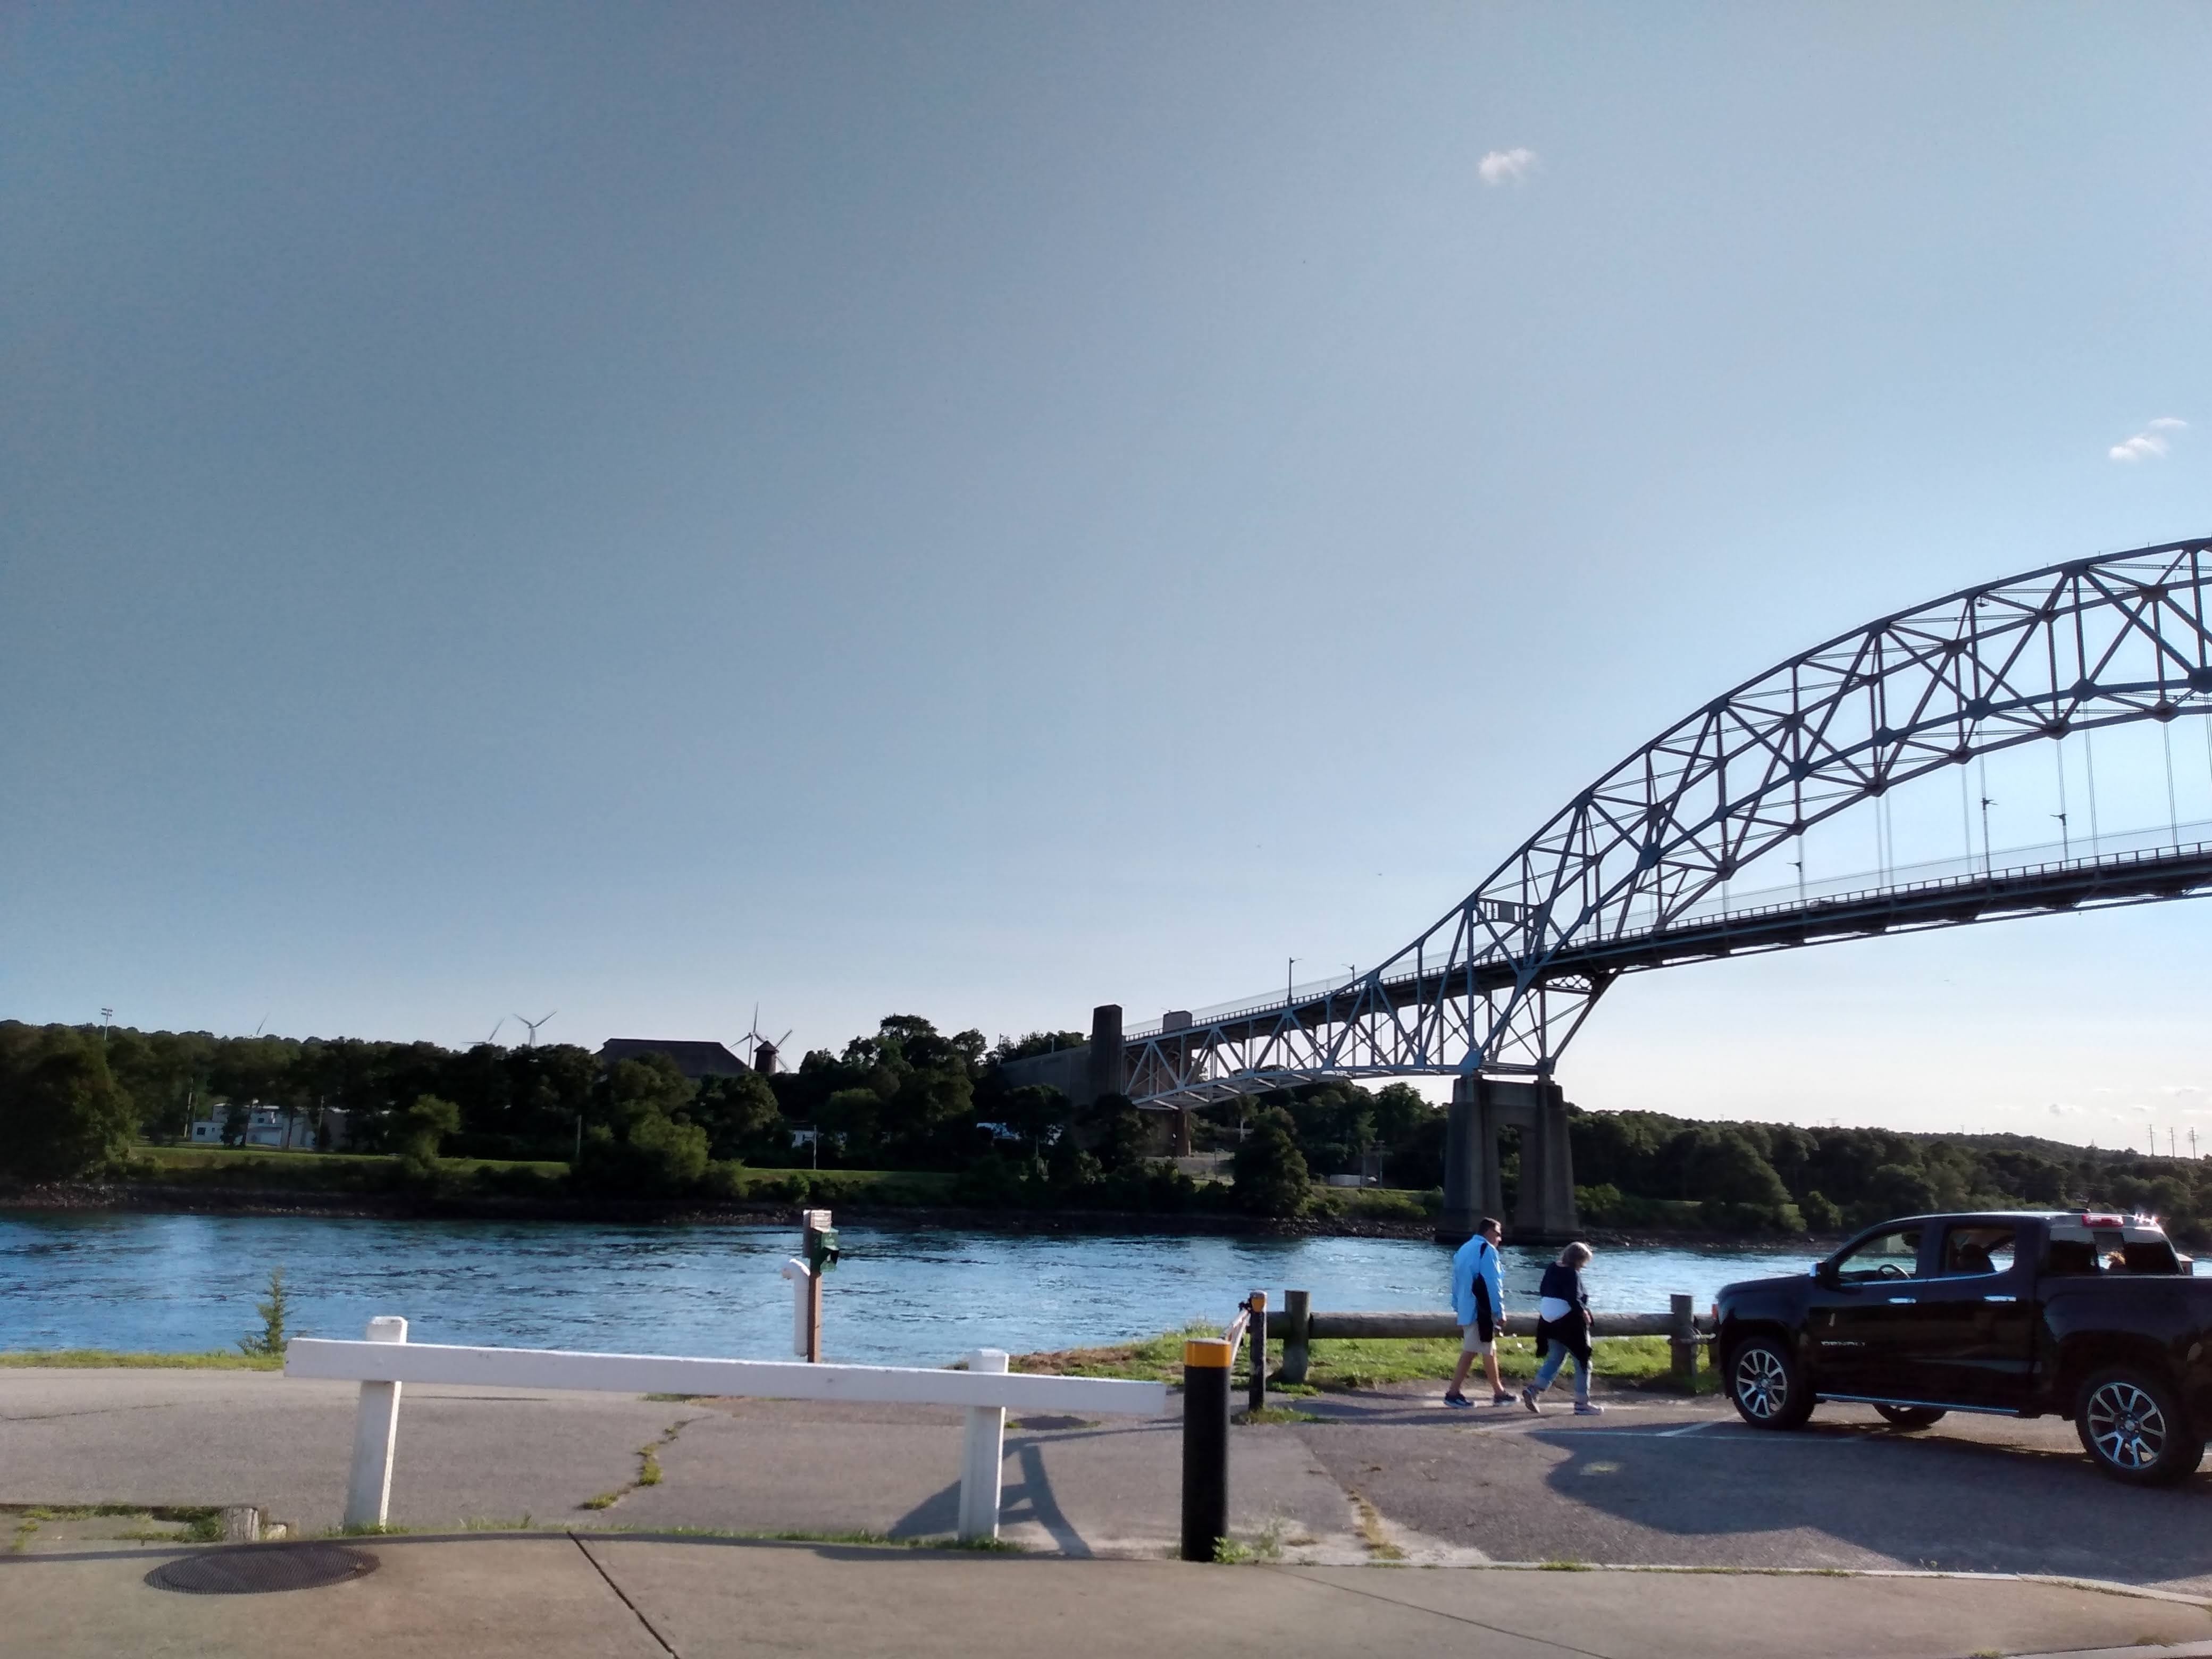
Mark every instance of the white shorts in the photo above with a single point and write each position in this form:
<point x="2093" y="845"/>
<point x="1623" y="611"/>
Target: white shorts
<point x="1474" y="1342"/>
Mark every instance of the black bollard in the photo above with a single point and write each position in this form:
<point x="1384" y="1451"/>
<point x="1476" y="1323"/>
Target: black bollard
<point x="1205" y="1447"/>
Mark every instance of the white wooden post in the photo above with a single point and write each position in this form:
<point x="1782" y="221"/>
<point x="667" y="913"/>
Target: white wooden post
<point x="982" y="1456"/>
<point x="801" y="1276"/>
<point x="376" y="1431"/>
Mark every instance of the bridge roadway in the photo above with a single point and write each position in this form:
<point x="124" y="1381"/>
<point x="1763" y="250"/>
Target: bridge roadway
<point x="2064" y="884"/>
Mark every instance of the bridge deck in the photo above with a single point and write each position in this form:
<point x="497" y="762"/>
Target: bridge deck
<point x="2064" y="884"/>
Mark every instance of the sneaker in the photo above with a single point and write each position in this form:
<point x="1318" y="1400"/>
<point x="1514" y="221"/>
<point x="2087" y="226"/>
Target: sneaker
<point x="1504" y="1398"/>
<point x="1583" y="1408"/>
<point x="1459" y="1401"/>
<point x="1528" y="1399"/>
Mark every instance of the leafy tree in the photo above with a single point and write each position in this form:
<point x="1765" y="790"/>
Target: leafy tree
<point x="740" y="1115"/>
<point x="61" y="1115"/>
<point x="427" y="1121"/>
<point x="1820" y="1214"/>
<point x="1401" y="1112"/>
<point x="1116" y="1131"/>
<point x="1037" y="1043"/>
<point x="649" y="1146"/>
<point x="1036" y="1114"/>
<point x="1272" y="1178"/>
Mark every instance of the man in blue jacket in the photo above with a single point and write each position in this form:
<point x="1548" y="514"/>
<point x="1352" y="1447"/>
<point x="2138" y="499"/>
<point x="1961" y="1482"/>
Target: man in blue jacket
<point x="1479" y="1304"/>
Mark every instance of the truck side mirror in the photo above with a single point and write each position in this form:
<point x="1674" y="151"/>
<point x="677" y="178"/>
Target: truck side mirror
<point x="1826" y="1274"/>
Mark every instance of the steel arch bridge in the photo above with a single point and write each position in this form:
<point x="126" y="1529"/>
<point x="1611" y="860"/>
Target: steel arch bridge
<point x="1635" y="872"/>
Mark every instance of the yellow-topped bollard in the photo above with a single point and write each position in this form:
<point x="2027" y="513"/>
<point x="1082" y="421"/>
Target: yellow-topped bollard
<point x="1206" y="1362"/>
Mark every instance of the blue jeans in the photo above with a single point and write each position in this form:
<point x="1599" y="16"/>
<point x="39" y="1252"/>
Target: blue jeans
<point x="1550" y="1369"/>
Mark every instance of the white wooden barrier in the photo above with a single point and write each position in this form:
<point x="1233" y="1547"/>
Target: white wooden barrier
<point x="387" y="1361"/>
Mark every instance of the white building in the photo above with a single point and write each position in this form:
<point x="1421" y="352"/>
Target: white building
<point x="270" y="1125"/>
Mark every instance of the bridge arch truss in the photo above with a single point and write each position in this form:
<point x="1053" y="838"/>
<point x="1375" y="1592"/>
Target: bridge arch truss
<point x="1634" y="872"/>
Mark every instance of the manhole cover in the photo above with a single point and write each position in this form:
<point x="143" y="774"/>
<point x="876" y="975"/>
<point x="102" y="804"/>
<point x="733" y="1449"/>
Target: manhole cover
<point x="257" y="1569"/>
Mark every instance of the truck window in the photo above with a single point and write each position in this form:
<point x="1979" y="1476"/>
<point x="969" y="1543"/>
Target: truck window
<point x="1971" y="1252"/>
<point x="2152" y="1256"/>
<point x="2072" y="1256"/>
<point x="1892" y="1255"/>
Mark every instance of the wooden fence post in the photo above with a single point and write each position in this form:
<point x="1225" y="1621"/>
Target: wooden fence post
<point x="375" y="1433"/>
<point x="1683" y="1340"/>
<point x="1297" y="1309"/>
<point x="1255" y="1393"/>
<point x="982" y="1456"/>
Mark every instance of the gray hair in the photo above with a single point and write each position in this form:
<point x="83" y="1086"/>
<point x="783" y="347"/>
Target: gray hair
<point x="1575" y="1255"/>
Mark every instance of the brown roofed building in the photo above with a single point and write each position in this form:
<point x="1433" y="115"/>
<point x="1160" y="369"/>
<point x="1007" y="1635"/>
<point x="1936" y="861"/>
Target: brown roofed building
<point x="695" y="1061"/>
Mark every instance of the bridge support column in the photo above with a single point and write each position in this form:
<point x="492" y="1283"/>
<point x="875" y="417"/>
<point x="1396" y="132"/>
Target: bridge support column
<point x="1466" y="1143"/>
<point x="1544" y="1204"/>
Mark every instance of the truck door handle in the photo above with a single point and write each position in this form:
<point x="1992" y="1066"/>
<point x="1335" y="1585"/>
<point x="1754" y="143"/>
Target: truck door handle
<point x="2000" y="1298"/>
<point x="1901" y="1299"/>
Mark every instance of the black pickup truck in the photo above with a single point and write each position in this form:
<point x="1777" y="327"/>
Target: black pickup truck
<point x="2089" y="1317"/>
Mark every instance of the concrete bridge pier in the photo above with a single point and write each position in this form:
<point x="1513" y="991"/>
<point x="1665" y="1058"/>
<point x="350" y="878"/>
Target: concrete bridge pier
<point x="1481" y="1107"/>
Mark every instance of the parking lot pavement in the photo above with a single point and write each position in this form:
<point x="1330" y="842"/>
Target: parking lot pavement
<point x="478" y="1455"/>
<point x="1683" y="1482"/>
<point x="1387" y="1475"/>
<point x="541" y="1597"/>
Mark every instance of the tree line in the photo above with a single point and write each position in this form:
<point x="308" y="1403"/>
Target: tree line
<point x="74" y="1101"/>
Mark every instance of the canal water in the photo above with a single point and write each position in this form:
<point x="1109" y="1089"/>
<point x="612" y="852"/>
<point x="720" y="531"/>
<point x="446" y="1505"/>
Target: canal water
<point x="904" y="1296"/>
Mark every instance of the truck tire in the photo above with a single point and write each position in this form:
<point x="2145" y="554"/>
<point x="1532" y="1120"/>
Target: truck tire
<point x="1767" y="1385"/>
<point x="2134" y="1429"/>
<point x="1910" y="1418"/>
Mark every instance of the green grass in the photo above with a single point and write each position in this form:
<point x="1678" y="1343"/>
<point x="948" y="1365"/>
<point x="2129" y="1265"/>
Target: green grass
<point x="1364" y="1362"/>
<point x="365" y="1172"/>
<point x="218" y="1359"/>
<point x="201" y="1524"/>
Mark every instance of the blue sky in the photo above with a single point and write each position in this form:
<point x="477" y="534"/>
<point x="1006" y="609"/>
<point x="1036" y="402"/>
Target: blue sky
<point x="981" y="510"/>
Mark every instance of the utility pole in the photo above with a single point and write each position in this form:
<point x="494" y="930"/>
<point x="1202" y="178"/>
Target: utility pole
<point x="1290" y="981"/>
<point x="106" y="1015"/>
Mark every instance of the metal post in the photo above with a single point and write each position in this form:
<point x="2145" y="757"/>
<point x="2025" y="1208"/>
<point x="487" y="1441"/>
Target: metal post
<point x="982" y="1456"/>
<point x="375" y="1432"/>
<point x="1256" y="1399"/>
<point x="816" y="1223"/>
<point x="1683" y="1342"/>
<point x="1205" y="1447"/>
<point x="1297" y="1310"/>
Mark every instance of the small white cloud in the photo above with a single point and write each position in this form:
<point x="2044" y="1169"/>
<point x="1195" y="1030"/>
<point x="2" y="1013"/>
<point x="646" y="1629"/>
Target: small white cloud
<point x="2139" y="1109"/>
<point x="1507" y="167"/>
<point x="2151" y="444"/>
<point x="2057" y="1110"/>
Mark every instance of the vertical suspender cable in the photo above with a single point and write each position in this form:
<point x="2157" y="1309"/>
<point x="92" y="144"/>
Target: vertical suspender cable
<point x="2172" y="812"/>
<point x="2065" y="840"/>
<point x="2089" y="758"/>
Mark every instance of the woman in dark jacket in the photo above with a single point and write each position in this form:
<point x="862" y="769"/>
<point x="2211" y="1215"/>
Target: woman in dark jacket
<point x="1563" y="1327"/>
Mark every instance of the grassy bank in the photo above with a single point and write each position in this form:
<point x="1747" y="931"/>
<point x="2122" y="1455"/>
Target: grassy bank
<point x="266" y="1170"/>
<point x="1337" y="1365"/>
<point x="215" y="1359"/>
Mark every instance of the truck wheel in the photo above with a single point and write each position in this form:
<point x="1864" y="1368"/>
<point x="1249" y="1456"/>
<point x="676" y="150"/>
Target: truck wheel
<point x="2132" y="1425"/>
<point x="1909" y="1417"/>
<point x="1767" y="1384"/>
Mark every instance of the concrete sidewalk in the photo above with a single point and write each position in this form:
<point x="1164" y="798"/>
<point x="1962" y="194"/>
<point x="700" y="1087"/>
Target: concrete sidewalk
<point x="548" y="1597"/>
